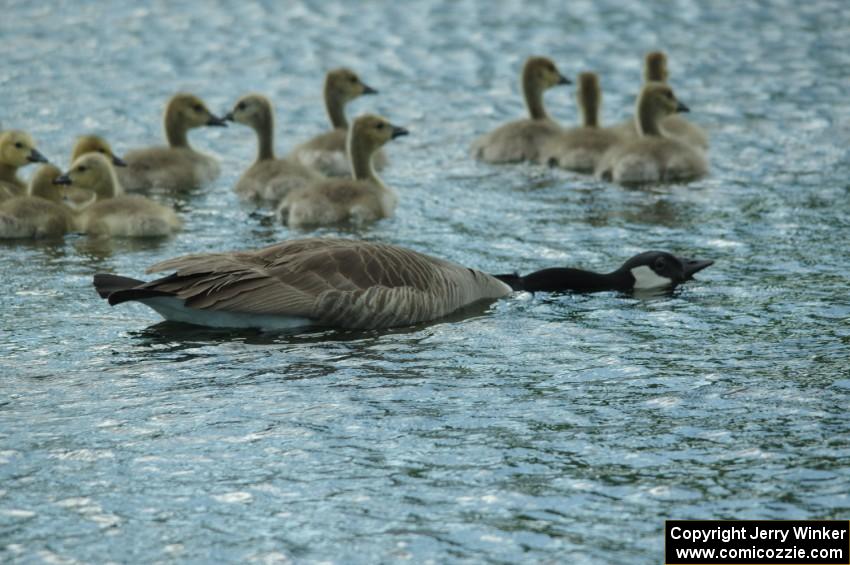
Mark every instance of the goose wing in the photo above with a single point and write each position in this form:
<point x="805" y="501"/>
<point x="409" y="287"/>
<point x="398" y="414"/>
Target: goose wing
<point x="333" y="281"/>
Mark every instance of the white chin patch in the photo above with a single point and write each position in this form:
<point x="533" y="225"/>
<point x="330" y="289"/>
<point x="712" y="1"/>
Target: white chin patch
<point x="647" y="278"/>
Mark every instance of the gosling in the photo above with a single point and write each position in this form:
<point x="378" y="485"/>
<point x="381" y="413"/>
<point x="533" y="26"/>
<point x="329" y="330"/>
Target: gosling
<point x="579" y="149"/>
<point x="269" y="179"/>
<point x="651" y="157"/>
<point x="115" y="214"/>
<point x="177" y="166"/>
<point x="17" y="149"/>
<point x="359" y="200"/>
<point x="326" y="152"/>
<point x="41" y="213"/>
<point x="521" y="140"/>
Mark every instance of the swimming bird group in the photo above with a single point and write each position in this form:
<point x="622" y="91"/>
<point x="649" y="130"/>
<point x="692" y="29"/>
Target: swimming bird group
<point x="330" y="179"/>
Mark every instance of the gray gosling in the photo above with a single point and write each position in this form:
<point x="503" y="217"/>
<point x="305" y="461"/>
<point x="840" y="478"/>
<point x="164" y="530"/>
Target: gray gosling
<point x="41" y="213"/>
<point x="115" y="214"/>
<point x="326" y="152"/>
<point x="521" y="140"/>
<point x="361" y="199"/>
<point x="17" y="149"/>
<point x="268" y="179"/>
<point x="651" y="157"/>
<point x="177" y="166"/>
<point x="580" y="148"/>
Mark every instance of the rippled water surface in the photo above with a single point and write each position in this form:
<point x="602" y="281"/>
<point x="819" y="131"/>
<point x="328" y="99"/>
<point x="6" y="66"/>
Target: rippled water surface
<point x="545" y="428"/>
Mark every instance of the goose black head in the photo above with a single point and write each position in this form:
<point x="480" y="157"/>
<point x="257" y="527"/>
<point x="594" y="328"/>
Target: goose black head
<point x="659" y="269"/>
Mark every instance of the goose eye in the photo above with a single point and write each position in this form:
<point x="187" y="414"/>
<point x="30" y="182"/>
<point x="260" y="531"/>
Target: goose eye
<point x="19" y="145"/>
<point x="660" y="263"/>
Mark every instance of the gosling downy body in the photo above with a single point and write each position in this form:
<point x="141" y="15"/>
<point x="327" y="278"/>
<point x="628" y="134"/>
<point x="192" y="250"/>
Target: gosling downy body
<point x="326" y="152"/>
<point x="579" y="149"/>
<point x="521" y="140"/>
<point x="115" y="214"/>
<point x="268" y="179"/>
<point x="651" y="157"/>
<point x="17" y="149"/>
<point x="177" y="166"/>
<point x="648" y="271"/>
<point x="675" y="126"/>
<point x="41" y="213"/>
<point x="361" y="199"/>
<point x="310" y="282"/>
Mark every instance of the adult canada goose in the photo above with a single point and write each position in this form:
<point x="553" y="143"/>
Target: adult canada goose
<point x="17" y="149"/>
<point x="361" y="199"/>
<point x="177" y="166"/>
<point x="114" y="213"/>
<point x="268" y="179"/>
<point x="349" y="284"/>
<point x="675" y="126"/>
<point x="326" y="152"/>
<point x="580" y="148"/>
<point x="39" y="214"/>
<point x="651" y="157"/>
<point x="520" y="140"/>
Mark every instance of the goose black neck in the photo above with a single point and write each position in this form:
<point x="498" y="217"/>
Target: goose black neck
<point x="569" y="280"/>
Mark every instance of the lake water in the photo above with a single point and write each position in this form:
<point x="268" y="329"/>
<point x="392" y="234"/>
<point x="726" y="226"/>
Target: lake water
<point x="541" y="429"/>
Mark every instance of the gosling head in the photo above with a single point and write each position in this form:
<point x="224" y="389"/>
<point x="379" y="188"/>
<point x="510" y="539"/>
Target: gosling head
<point x="191" y="112"/>
<point x="542" y="72"/>
<point x="658" y="99"/>
<point x="94" y="172"/>
<point x="250" y="110"/>
<point x="17" y="149"/>
<point x="41" y="183"/>
<point x="655" y="67"/>
<point x="95" y="144"/>
<point x="344" y="85"/>
<point x="659" y="269"/>
<point x="373" y="131"/>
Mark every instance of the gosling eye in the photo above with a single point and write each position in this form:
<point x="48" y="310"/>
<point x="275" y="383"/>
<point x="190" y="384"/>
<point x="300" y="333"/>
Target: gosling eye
<point x="380" y="125"/>
<point x="669" y="95"/>
<point x="198" y="108"/>
<point x="19" y="145"/>
<point x="102" y="151"/>
<point x="240" y="106"/>
<point x="353" y="80"/>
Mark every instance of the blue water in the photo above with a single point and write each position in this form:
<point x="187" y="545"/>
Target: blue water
<point x="542" y="429"/>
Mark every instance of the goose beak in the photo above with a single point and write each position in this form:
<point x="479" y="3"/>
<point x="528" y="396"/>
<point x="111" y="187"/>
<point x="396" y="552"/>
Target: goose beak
<point x="398" y="132"/>
<point x="118" y="161"/>
<point x="681" y="107"/>
<point x="368" y="89"/>
<point x="216" y="121"/>
<point x="64" y="180"/>
<point x="36" y="157"/>
<point x="693" y="266"/>
<point x="563" y="80"/>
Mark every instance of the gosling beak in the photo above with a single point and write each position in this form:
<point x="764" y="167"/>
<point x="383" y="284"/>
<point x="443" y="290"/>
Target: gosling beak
<point x="228" y="117"/>
<point x="36" y="157"/>
<point x="398" y="132"/>
<point x="693" y="266"/>
<point x="368" y="89"/>
<point x="563" y="80"/>
<point x="216" y="121"/>
<point x="681" y="107"/>
<point x="64" y="179"/>
<point x="118" y="161"/>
